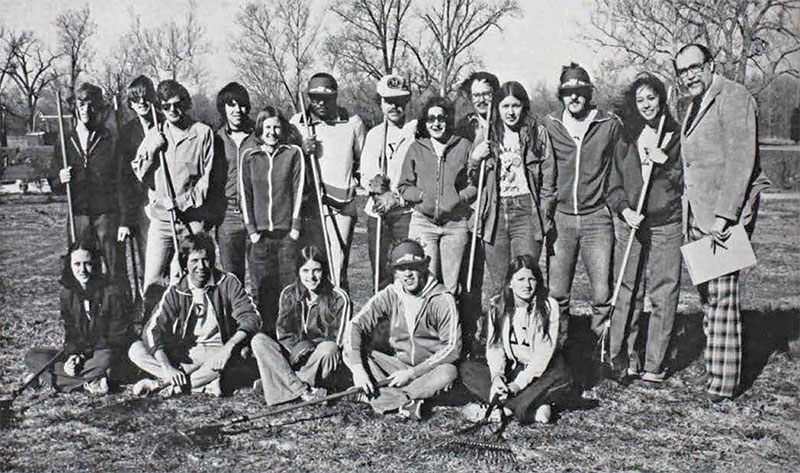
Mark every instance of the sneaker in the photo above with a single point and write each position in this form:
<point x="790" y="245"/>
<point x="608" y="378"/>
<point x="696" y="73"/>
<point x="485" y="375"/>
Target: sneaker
<point x="313" y="394"/>
<point x="633" y="373"/>
<point x="476" y="412"/>
<point x="98" y="387"/>
<point x="169" y="391"/>
<point x="411" y="410"/>
<point x="656" y="378"/>
<point x="258" y="388"/>
<point x="213" y="388"/>
<point x="543" y="414"/>
<point x="145" y="386"/>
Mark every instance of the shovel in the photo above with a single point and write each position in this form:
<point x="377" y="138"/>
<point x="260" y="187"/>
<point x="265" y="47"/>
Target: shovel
<point x="5" y="404"/>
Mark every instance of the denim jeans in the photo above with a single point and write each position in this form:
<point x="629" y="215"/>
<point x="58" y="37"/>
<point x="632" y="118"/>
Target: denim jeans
<point x="444" y="244"/>
<point x="272" y="260"/>
<point x="515" y="236"/>
<point x="394" y="228"/>
<point x="139" y="231"/>
<point x="194" y="363"/>
<point x="232" y="239"/>
<point x="657" y="247"/>
<point x="426" y="386"/>
<point x="280" y="381"/>
<point x="591" y="235"/>
<point x="340" y="225"/>
<point x="93" y="368"/>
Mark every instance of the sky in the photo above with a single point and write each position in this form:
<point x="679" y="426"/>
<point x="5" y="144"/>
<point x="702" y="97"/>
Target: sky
<point x="529" y="49"/>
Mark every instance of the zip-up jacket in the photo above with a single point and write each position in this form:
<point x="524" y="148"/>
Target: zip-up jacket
<point x="435" y="338"/>
<point x="438" y="186"/>
<point x="537" y="153"/>
<point x="133" y="194"/>
<point x="582" y="167"/>
<point x="95" y="170"/>
<point x="190" y="158"/>
<point x="339" y="145"/>
<point x="272" y="184"/>
<point x="302" y="326"/>
<point x="94" y="319"/>
<point x="499" y="354"/>
<point x="233" y="156"/>
<point x="168" y="327"/>
<point x="663" y="200"/>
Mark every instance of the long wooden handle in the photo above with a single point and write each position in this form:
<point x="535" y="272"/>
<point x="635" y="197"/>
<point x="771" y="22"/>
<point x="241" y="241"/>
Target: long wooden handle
<point x="481" y="179"/>
<point x="63" y="140"/>
<point x="33" y="378"/>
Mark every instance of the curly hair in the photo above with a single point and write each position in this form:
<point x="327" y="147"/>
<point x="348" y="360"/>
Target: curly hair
<point x="449" y="111"/>
<point x="629" y="112"/>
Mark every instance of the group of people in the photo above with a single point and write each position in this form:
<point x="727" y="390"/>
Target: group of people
<point x="276" y="199"/>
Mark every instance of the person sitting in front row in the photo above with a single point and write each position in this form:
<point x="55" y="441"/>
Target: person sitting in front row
<point x="197" y="328"/>
<point x="424" y="333"/>
<point x="95" y="322"/>
<point x="525" y="372"/>
<point x="311" y="318"/>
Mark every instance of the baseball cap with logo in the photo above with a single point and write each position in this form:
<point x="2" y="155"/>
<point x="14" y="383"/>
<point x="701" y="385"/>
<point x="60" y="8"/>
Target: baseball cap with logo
<point x="392" y="85"/>
<point x="574" y="77"/>
<point x="322" y="84"/>
<point x="408" y="253"/>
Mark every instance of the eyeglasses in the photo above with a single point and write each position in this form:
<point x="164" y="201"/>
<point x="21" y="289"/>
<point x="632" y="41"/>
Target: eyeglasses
<point x="579" y="91"/>
<point x="436" y="118"/>
<point x="141" y="99"/>
<point x="483" y="95"/>
<point x="693" y="68"/>
<point x="172" y="105"/>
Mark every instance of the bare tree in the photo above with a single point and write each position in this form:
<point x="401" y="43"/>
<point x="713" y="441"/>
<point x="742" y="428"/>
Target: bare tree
<point x="274" y="48"/>
<point x="31" y="68"/>
<point x="75" y="27"/>
<point x="753" y="41"/>
<point x="371" y="37"/>
<point x="171" y="50"/>
<point x="452" y="28"/>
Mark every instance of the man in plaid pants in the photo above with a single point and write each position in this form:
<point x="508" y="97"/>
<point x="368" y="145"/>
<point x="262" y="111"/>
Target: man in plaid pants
<point x="723" y="180"/>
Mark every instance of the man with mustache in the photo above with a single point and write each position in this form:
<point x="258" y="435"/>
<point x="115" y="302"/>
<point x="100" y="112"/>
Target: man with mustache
<point x="333" y="138"/>
<point x="722" y="184"/>
<point x="424" y="333"/>
<point x="584" y="139"/>
<point x="381" y="162"/>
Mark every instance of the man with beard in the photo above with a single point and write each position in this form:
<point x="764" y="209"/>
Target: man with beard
<point x="480" y="88"/>
<point x="334" y="139"/>
<point x="382" y="160"/>
<point x="199" y="326"/>
<point x="723" y="181"/>
<point x="236" y="137"/>
<point x="93" y="172"/>
<point x="584" y="139"/>
<point x="185" y="187"/>
<point x="424" y="334"/>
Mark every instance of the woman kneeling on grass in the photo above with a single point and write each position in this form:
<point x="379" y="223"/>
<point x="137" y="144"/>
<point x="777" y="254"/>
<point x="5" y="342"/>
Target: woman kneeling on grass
<point x="311" y="318"/>
<point x="93" y="310"/>
<point x="526" y="374"/>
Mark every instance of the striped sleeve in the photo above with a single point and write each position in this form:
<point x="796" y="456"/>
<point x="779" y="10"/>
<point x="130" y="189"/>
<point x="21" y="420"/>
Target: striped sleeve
<point x="299" y="180"/>
<point x="449" y="335"/>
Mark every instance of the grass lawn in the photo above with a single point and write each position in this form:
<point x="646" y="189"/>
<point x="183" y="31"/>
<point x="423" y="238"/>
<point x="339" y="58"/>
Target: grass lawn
<point x="635" y="428"/>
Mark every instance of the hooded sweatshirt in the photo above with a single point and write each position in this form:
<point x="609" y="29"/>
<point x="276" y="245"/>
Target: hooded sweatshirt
<point x="432" y="338"/>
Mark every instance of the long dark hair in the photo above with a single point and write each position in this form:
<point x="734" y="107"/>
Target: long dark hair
<point x="449" y="111"/>
<point x="632" y="119"/>
<point x="325" y="296"/>
<point x="87" y="243"/>
<point x="512" y="89"/>
<point x="539" y="306"/>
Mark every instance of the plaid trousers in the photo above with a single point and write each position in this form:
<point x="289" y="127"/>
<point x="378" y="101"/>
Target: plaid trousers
<point x="722" y="324"/>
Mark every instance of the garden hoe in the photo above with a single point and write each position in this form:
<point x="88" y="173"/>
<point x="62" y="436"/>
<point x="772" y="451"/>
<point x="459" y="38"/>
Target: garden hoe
<point x="5" y="404"/>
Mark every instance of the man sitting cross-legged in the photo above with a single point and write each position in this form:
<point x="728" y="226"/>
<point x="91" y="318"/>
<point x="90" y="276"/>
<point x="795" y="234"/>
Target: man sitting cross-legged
<point x="197" y="327"/>
<point x="424" y="333"/>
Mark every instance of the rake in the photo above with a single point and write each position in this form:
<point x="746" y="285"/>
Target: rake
<point x="5" y="404"/>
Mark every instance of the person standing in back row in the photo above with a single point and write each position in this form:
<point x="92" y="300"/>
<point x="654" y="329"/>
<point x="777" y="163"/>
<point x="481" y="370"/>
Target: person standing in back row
<point x="236" y="137"/>
<point x="723" y="181"/>
<point x="385" y="150"/>
<point x="584" y="139"/>
<point x="333" y="138"/>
